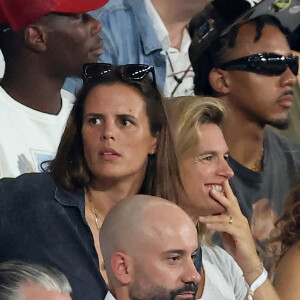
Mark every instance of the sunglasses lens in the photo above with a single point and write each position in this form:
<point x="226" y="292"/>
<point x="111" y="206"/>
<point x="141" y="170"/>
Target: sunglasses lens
<point x="276" y="66"/>
<point x="136" y="72"/>
<point x="93" y="71"/>
<point x="269" y="66"/>
<point x="294" y="66"/>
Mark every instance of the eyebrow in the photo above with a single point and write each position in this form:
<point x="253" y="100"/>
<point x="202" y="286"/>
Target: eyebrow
<point x="101" y="115"/>
<point x="177" y="251"/>
<point x="211" y="152"/>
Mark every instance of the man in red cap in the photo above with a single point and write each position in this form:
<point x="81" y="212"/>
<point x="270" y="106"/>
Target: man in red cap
<point x="43" y="43"/>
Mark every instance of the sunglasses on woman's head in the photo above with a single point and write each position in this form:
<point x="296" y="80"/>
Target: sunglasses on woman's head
<point x="94" y="71"/>
<point x="270" y="64"/>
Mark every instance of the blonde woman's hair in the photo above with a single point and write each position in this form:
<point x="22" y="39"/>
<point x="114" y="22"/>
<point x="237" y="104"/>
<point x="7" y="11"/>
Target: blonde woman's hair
<point x="180" y="137"/>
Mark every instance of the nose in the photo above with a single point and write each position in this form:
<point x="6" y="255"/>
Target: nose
<point x="190" y="273"/>
<point x="225" y="170"/>
<point x="95" y="25"/>
<point x="108" y="132"/>
<point x="288" y="78"/>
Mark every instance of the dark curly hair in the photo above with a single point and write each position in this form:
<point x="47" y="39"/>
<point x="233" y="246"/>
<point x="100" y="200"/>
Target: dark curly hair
<point x="288" y="225"/>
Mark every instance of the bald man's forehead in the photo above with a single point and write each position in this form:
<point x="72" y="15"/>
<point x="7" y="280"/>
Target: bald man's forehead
<point x="168" y="226"/>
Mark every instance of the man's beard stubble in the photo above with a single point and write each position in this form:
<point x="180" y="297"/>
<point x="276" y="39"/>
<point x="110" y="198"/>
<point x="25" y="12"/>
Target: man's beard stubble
<point x="279" y="124"/>
<point x="145" y="289"/>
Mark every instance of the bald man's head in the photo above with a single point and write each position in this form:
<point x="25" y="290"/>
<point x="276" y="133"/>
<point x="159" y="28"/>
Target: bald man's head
<point x="144" y="241"/>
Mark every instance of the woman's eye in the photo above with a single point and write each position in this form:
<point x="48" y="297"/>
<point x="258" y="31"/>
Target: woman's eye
<point x="207" y="158"/>
<point x="202" y="158"/>
<point x="226" y="156"/>
<point x="126" y="122"/>
<point x="95" y="121"/>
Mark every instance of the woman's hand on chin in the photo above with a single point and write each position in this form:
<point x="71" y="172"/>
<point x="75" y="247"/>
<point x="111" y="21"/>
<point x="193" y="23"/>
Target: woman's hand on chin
<point x="234" y="226"/>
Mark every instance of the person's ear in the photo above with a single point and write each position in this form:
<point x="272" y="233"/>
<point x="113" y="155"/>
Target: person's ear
<point x="219" y="81"/>
<point x="122" y="267"/>
<point x="153" y="145"/>
<point x="35" y="37"/>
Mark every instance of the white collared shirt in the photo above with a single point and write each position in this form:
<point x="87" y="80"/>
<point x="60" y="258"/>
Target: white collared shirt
<point x="177" y="61"/>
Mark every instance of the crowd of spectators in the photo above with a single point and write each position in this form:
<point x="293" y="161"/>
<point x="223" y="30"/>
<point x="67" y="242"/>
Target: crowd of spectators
<point x="194" y="105"/>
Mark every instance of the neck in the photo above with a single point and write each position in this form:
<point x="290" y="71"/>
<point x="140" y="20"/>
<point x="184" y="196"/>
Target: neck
<point x="107" y="192"/>
<point x="33" y="87"/>
<point x="176" y="14"/>
<point x="243" y="137"/>
<point x="122" y="293"/>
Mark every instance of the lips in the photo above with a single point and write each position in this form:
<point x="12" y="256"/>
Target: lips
<point x="98" y="49"/>
<point x="106" y="152"/>
<point x="286" y="100"/>
<point x="187" y="295"/>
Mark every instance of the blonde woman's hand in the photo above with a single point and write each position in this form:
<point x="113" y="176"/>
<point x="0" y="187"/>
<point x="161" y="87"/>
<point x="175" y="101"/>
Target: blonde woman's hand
<point x="234" y="226"/>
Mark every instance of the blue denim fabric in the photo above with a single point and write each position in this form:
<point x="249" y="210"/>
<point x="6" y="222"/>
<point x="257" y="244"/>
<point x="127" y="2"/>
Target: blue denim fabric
<point x="129" y="38"/>
<point x="41" y="223"/>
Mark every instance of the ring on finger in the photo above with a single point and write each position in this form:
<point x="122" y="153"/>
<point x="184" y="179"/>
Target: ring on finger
<point x="230" y="220"/>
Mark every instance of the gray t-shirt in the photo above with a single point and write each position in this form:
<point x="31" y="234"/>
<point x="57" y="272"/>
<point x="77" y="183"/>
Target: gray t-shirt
<point x="281" y="163"/>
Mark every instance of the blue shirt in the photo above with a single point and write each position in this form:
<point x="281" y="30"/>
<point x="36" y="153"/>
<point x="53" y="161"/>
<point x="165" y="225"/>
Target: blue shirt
<point x="129" y="38"/>
<point x="41" y="223"/>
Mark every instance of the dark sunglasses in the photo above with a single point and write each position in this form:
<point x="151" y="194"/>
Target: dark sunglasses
<point x="270" y="64"/>
<point x="94" y="71"/>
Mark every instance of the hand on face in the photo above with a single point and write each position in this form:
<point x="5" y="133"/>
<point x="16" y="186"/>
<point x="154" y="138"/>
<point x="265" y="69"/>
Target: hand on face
<point x="236" y="234"/>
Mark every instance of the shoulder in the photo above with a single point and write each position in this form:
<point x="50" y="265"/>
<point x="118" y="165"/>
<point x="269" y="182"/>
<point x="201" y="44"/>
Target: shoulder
<point x="288" y="267"/>
<point x="25" y="185"/>
<point x="273" y="138"/>
<point x="67" y="97"/>
<point x="112" y="8"/>
<point x="221" y="258"/>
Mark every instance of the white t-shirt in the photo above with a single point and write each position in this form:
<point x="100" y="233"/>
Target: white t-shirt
<point x="177" y="61"/>
<point x="29" y="137"/>
<point x="223" y="277"/>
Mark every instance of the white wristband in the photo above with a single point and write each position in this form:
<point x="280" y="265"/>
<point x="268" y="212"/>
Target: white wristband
<point x="257" y="283"/>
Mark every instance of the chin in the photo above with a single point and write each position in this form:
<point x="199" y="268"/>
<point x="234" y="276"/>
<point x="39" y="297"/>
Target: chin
<point x="279" y="124"/>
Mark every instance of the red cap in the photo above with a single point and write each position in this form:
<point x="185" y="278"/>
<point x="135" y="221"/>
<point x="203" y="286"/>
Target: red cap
<point x="20" y="13"/>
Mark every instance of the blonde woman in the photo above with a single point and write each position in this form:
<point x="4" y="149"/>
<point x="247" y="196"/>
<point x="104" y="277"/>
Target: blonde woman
<point x="193" y="172"/>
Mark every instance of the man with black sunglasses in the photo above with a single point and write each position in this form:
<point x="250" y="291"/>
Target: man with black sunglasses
<point x="42" y="45"/>
<point x="252" y="69"/>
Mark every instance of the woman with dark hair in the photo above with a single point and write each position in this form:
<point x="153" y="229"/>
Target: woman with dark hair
<point x="287" y="273"/>
<point x="107" y="152"/>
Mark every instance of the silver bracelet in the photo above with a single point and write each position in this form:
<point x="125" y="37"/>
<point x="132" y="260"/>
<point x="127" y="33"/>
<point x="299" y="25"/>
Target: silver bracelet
<point x="257" y="283"/>
<point x="259" y="266"/>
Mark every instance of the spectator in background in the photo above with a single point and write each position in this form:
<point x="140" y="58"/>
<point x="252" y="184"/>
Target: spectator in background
<point x="155" y="34"/>
<point x="252" y="69"/>
<point x="150" y="248"/>
<point x="42" y="45"/>
<point x="287" y="274"/>
<point x="24" y="281"/>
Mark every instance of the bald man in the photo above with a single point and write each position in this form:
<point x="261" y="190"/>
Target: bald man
<point x="149" y="246"/>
